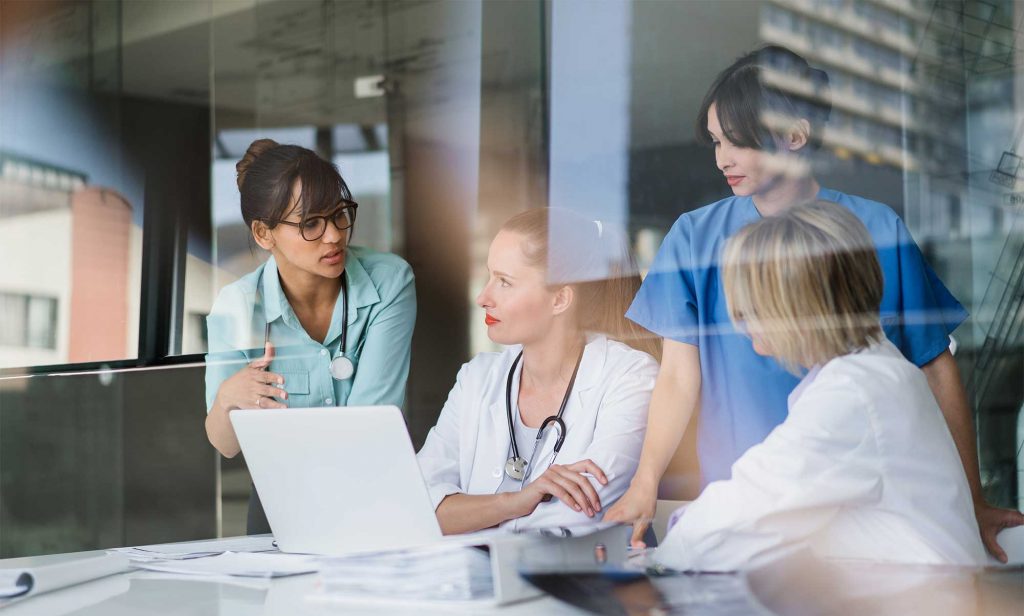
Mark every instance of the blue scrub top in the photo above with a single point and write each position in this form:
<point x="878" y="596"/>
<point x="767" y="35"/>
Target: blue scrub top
<point x="744" y="395"/>
<point x="381" y="316"/>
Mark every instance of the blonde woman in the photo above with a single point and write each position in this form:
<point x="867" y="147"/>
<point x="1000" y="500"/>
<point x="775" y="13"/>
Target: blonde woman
<point x="547" y="432"/>
<point x="863" y="466"/>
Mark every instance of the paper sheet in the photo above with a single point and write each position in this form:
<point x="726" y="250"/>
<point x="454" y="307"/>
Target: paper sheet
<point x="270" y="565"/>
<point x="437" y="573"/>
<point x="197" y="549"/>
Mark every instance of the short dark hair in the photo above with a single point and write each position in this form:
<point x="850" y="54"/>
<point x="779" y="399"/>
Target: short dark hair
<point x="742" y="98"/>
<point x="268" y="172"/>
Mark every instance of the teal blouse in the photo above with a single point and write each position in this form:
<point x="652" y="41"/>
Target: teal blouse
<point x="381" y="316"/>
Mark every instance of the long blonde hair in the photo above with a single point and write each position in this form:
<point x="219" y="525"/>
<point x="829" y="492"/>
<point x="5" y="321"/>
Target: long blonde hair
<point x="807" y="282"/>
<point x="592" y="257"/>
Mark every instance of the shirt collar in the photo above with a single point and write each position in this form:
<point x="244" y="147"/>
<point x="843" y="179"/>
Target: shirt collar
<point x="273" y="295"/>
<point x="824" y="194"/>
<point x="361" y="290"/>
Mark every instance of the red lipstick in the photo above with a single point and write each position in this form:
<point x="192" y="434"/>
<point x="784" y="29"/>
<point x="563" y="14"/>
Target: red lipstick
<point x="489" y="320"/>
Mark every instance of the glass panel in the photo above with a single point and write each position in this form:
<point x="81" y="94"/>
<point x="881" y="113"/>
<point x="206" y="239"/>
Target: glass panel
<point x="295" y="92"/>
<point x="96" y="115"/>
<point x="71" y="203"/>
<point x="14" y="325"/>
<point x="925" y="119"/>
<point x="445" y="119"/>
<point x="291" y="72"/>
<point x="42" y="323"/>
<point x="986" y="243"/>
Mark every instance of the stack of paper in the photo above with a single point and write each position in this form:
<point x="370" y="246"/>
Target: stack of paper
<point x="196" y="549"/>
<point x="441" y="573"/>
<point x="238" y="564"/>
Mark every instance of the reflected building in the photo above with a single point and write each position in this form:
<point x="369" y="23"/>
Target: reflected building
<point x="900" y="73"/>
<point x="923" y="92"/>
<point x="924" y="118"/>
<point x="78" y="301"/>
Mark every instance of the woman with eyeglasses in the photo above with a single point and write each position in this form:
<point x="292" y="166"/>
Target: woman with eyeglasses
<point x="321" y="323"/>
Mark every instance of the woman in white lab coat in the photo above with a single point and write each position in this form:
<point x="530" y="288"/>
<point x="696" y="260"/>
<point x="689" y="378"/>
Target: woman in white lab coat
<point x="863" y="466"/>
<point x="558" y="287"/>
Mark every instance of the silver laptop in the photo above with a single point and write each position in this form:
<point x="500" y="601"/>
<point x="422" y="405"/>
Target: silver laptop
<point x="338" y="480"/>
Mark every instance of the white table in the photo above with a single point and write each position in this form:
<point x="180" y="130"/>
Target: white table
<point x="792" y="586"/>
<point x="150" y="593"/>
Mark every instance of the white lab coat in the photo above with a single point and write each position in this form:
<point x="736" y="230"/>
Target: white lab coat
<point x="863" y="467"/>
<point x="605" y="420"/>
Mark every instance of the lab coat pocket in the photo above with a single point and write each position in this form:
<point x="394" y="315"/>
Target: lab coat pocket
<point x="296" y="383"/>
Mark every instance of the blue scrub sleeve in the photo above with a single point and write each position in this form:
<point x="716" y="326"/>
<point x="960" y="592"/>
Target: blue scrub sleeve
<point x="666" y="303"/>
<point x="928" y="312"/>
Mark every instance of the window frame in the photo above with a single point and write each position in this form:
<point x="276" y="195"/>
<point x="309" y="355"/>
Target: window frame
<point x="161" y="301"/>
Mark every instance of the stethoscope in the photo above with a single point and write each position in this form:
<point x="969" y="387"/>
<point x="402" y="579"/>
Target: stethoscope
<point x="341" y="367"/>
<point x="516" y="467"/>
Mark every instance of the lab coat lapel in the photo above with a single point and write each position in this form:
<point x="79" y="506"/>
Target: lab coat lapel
<point x="489" y="465"/>
<point x="575" y="417"/>
<point x="585" y="392"/>
<point x="493" y="443"/>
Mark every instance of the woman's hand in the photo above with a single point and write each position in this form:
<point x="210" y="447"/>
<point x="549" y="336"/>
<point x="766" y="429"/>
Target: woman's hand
<point x="636" y="507"/>
<point x="568" y="484"/>
<point x="991" y="520"/>
<point x="253" y="387"/>
<point x="250" y="387"/>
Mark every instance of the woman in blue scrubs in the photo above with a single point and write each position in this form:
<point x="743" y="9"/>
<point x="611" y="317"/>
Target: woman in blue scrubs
<point x="321" y="323"/>
<point x="763" y="137"/>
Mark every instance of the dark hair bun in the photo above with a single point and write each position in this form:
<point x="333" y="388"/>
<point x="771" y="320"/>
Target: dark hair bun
<point x="256" y="149"/>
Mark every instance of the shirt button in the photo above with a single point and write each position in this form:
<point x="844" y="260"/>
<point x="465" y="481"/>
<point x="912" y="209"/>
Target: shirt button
<point x="329" y="400"/>
<point x="496" y="472"/>
<point x="323" y="351"/>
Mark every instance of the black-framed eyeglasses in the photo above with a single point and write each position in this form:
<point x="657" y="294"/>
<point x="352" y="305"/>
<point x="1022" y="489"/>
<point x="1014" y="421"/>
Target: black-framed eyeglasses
<point x="313" y="228"/>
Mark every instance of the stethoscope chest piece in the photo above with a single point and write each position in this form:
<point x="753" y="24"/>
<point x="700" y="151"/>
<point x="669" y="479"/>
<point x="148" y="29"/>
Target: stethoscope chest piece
<point x="342" y="368"/>
<point x="515" y="468"/>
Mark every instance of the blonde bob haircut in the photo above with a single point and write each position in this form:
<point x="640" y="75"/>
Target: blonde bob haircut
<point x="806" y="283"/>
